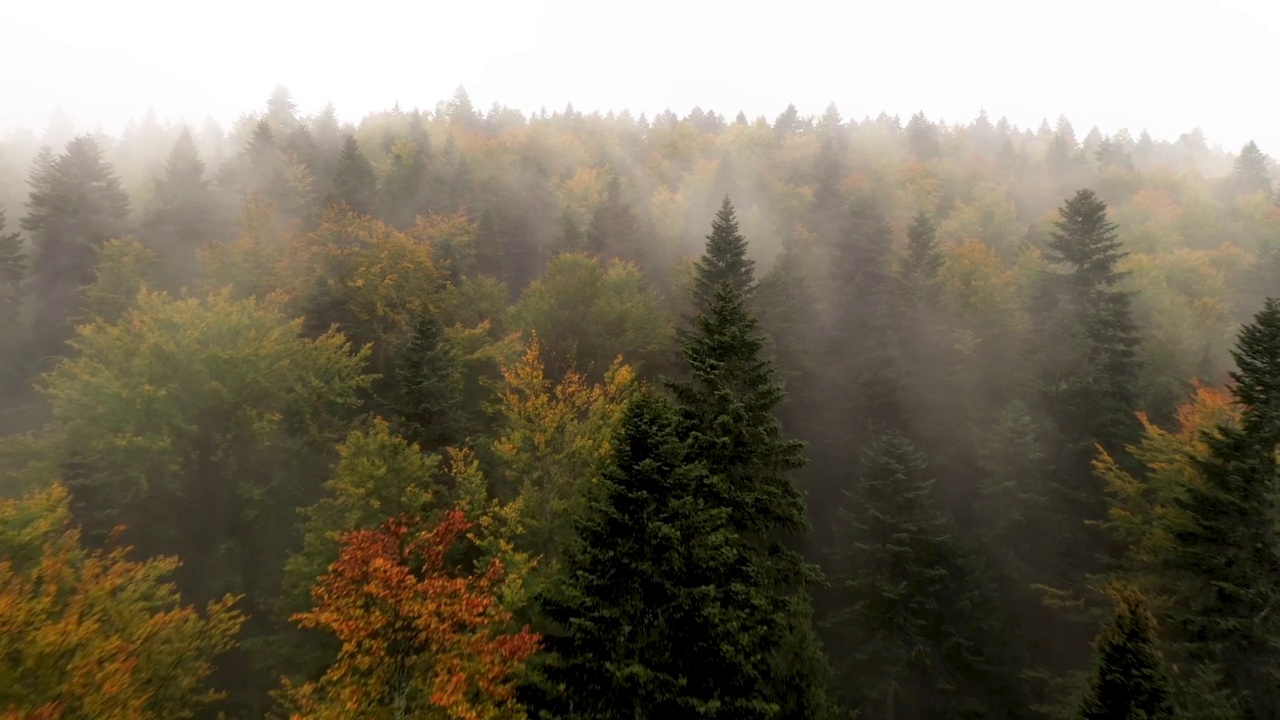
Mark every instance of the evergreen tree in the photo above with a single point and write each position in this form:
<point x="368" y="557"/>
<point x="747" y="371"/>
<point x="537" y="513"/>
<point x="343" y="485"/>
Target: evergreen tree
<point x="648" y="624"/>
<point x="354" y="181"/>
<point x="1087" y="340"/>
<point x="13" y="271"/>
<point x="729" y="405"/>
<point x="724" y="260"/>
<point x="919" y="267"/>
<point x="429" y="404"/>
<point x="451" y="183"/>
<point x="916" y="627"/>
<point x="1129" y="682"/>
<point x="75" y="205"/>
<point x="922" y="136"/>
<point x="1251" y="173"/>
<point x="615" y="229"/>
<point x="184" y="217"/>
<point x="1224" y="555"/>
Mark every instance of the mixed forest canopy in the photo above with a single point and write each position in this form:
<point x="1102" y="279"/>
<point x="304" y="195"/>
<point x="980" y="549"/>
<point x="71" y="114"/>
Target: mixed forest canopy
<point x="467" y="414"/>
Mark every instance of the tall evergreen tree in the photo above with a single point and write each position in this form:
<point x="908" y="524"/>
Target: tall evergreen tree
<point x="1226" y="556"/>
<point x="184" y="217"/>
<point x="648" y="623"/>
<point x="728" y="404"/>
<point x="916" y="631"/>
<point x="429" y="404"/>
<point x="919" y="267"/>
<point x="1129" y="681"/>
<point x="1087" y="341"/>
<point x="1251" y="172"/>
<point x="13" y="271"/>
<point x="615" y="230"/>
<point x="354" y="181"/>
<point x="725" y="259"/>
<point x="75" y="205"/>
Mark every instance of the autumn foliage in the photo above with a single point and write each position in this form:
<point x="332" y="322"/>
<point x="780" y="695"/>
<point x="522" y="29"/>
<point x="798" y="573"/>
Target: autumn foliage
<point x="417" y="638"/>
<point x="93" y="634"/>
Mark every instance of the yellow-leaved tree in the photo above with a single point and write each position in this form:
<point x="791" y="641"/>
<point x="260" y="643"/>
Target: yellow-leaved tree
<point x="93" y="633"/>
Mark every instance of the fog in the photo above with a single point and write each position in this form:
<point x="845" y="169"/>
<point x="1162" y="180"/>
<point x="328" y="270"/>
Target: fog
<point x="551" y="360"/>
<point x="1128" y="65"/>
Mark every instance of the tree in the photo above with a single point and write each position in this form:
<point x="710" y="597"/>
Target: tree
<point x="586" y="314"/>
<point x="418" y="638"/>
<point x="919" y="267"/>
<point x="13" y="272"/>
<point x="615" y="230"/>
<point x="91" y="633"/>
<point x="647" y="622"/>
<point x="124" y="268"/>
<point x="915" y="625"/>
<point x="728" y="404"/>
<point x="1251" y="172"/>
<point x="1225" y="551"/>
<point x="1129" y="682"/>
<point x="76" y="204"/>
<point x="354" y="181"/>
<point x="184" y="217"/>
<point x="725" y="258"/>
<point x="429" y="405"/>
<point x="1087" y="343"/>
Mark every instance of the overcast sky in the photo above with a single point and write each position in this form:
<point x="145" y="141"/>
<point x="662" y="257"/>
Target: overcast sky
<point x="1120" y="63"/>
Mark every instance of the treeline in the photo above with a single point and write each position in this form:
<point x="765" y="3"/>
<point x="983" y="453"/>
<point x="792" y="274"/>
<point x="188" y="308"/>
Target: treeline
<point x="462" y="414"/>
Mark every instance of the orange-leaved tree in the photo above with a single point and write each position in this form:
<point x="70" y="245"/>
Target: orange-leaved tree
<point x="419" y="638"/>
<point x="92" y="633"/>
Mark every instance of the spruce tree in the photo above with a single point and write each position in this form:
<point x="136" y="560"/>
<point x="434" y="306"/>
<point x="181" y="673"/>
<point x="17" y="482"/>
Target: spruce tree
<point x="916" y="625"/>
<point x="647" y="623"/>
<point x="919" y="267"/>
<point x="725" y="259"/>
<point x="1225" y="555"/>
<point x="1087" y="341"/>
<point x="354" y="180"/>
<point x="75" y="205"/>
<point x="614" y="230"/>
<point x="429" y="402"/>
<point x="183" y="218"/>
<point x="728" y="404"/>
<point x="1251" y="173"/>
<point x="13" y="271"/>
<point x="1129" y="681"/>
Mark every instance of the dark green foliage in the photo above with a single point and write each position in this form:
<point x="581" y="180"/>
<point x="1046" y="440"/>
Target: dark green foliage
<point x="615" y="229"/>
<point x="451" y="188"/>
<point x="728" y="404"/>
<point x="13" y="272"/>
<point x="1129" y="682"/>
<point x="75" y="205"/>
<point x="354" y="181"/>
<point x="648" y="626"/>
<point x="922" y="136"/>
<point x="429" y="406"/>
<point x="916" y="628"/>
<point x="184" y="217"/>
<point x="1251" y="172"/>
<point x="725" y="259"/>
<point x="1224" y="555"/>
<point x="919" y="267"/>
<point x="1087" y="342"/>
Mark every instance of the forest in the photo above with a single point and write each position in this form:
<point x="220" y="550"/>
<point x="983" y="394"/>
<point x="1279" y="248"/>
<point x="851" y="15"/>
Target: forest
<point x="472" y="414"/>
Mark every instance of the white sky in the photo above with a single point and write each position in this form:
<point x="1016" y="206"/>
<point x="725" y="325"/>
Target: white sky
<point x="1165" y="66"/>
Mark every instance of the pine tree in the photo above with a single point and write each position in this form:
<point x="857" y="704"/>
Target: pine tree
<point x="725" y="259"/>
<point x="1225" y="555"/>
<point x="75" y="205"/>
<point x="354" y="181"/>
<point x="1251" y="173"/>
<point x="916" y="625"/>
<point x="183" y="219"/>
<point x="729" y="404"/>
<point x="922" y="136"/>
<point x="429" y="404"/>
<point x="919" y="267"/>
<point x="647" y="625"/>
<point x="1129" y="682"/>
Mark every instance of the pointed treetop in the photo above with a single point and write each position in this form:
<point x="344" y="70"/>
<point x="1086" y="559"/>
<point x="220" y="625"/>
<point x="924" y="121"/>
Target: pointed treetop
<point x="1085" y="238"/>
<point x="1129" y="680"/>
<point x="1250" y="174"/>
<point x="725" y="258"/>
